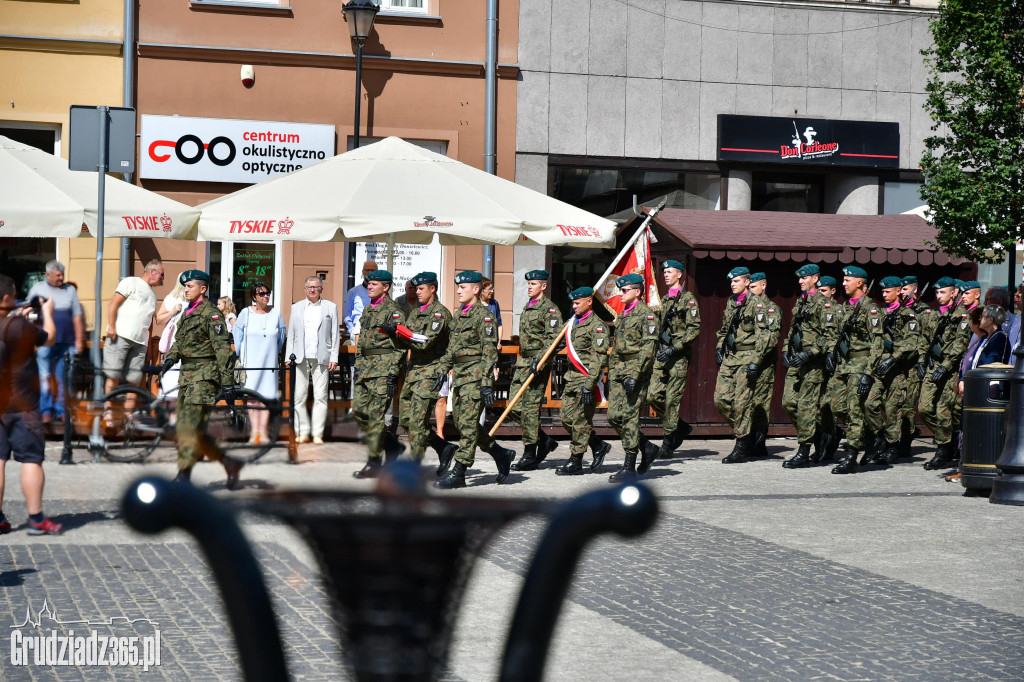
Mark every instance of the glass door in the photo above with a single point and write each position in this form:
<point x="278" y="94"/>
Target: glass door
<point x="246" y="264"/>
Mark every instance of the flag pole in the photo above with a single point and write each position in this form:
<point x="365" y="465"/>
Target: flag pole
<point x="551" y="349"/>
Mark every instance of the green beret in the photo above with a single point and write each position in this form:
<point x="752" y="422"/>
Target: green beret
<point x="807" y="270"/>
<point x="539" y="275"/>
<point x="971" y="284"/>
<point x="379" y="276"/>
<point x="197" y="275"/>
<point x="424" y="278"/>
<point x="468" y="277"/>
<point x="670" y="263"/>
<point x="827" y="281"/>
<point x="737" y="272"/>
<point x="855" y="271"/>
<point x="758" y="277"/>
<point x="909" y="279"/>
<point x="627" y="280"/>
<point x="944" y="282"/>
<point x="582" y="292"/>
<point x="890" y="282"/>
<point x="959" y="284"/>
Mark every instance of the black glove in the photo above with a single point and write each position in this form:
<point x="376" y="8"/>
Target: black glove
<point x="800" y="359"/>
<point x="587" y="397"/>
<point x="753" y="370"/>
<point x="830" y="362"/>
<point x="786" y="362"/>
<point x="487" y="393"/>
<point x="438" y="382"/>
<point x="885" y="366"/>
<point x="864" y="385"/>
<point x="666" y="354"/>
<point x="940" y="374"/>
<point x="392" y="386"/>
<point x="226" y="390"/>
<point x="533" y="365"/>
<point x="922" y="370"/>
<point x="166" y="366"/>
<point x="719" y="356"/>
<point x="389" y="328"/>
<point x="631" y="386"/>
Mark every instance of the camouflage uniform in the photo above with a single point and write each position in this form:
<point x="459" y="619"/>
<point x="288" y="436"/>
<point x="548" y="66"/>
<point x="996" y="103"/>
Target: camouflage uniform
<point x="830" y="322"/>
<point x="803" y="388"/>
<point x="590" y="338"/>
<point x="636" y="331"/>
<point x="539" y="324"/>
<point x="418" y="396"/>
<point x="377" y="358"/>
<point x="925" y="325"/>
<point x="950" y="333"/>
<point x="883" y="408"/>
<point x="750" y="343"/>
<point x="680" y="319"/>
<point x="863" y="354"/>
<point x="764" y="387"/>
<point x="472" y="354"/>
<point x="203" y="345"/>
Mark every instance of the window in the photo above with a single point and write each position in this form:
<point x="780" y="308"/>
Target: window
<point x="608" y="192"/>
<point x="798" y="195"/>
<point x="408" y="6"/>
<point x="39" y="135"/>
<point x="436" y="146"/>
<point x="900" y="197"/>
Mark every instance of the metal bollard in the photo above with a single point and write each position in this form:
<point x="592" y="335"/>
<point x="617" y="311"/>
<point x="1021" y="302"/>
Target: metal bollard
<point x="293" y="446"/>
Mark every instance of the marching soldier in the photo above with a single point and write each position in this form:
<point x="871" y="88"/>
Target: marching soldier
<point x="884" y="406"/>
<point x="378" y="365"/>
<point x="636" y="330"/>
<point x="680" y="325"/>
<point x="587" y="342"/>
<point x="472" y="357"/>
<point x="744" y="341"/>
<point x="539" y="324"/>
<point x="949" y="334"/>
<point x="803" y="356"/>
<point x="923" y="313"/>
<point x="765" y="386"/>
<point x="203" y="345"/>
<point x="826" y="442"/>
<point x="853" y="360"/>
<point x="430" y="323"/>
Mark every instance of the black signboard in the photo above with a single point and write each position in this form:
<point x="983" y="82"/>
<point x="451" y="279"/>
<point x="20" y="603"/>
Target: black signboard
<point x="808" y="141"/>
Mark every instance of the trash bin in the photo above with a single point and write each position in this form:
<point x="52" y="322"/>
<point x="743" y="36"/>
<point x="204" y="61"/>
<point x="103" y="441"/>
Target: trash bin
<point x="986" y="397"/>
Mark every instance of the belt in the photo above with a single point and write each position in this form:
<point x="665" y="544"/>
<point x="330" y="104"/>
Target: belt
<point x="467" y="357"/>
<point x="745" y="346"/>
<point x="377" y="351"/>
<point x="529" y="353"/>
<point x="859" y="353"/>
<point x="188" y="361"/>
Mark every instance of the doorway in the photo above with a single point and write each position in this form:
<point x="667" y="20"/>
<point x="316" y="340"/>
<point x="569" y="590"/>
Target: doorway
<point x="246" y="264"/>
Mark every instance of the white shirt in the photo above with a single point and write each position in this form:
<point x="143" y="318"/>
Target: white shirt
<point x="135" y="315"/>
<point x="311" y="327"/>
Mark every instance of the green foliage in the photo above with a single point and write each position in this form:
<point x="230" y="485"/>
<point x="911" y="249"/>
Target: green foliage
<point x="972" y="163"/>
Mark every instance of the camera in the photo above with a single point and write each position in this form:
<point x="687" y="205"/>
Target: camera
<point x="35" y="304"/>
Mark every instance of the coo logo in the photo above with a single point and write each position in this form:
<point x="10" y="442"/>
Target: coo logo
<point x="193" y="153"/>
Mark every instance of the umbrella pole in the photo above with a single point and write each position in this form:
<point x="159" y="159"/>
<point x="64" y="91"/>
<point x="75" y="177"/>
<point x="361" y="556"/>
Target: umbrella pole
<point x="391" y="252"/>
<point x="101" y="202"/>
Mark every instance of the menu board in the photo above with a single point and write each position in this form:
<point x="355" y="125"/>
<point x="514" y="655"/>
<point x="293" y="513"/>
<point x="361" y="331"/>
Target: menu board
<point x="410" y="259"/>
<point x="254" y="264"/>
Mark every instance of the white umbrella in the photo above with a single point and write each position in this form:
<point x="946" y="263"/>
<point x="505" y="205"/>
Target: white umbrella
<point x="395" y="190"/>
<point x="41" y="197"/>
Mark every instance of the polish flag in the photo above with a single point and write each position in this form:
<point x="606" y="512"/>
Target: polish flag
<point x="577" y="361"/>
<point x="635" y="261"/>
<point x="407" y="333"/>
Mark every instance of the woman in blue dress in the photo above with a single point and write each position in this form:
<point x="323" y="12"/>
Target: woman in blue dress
<point x="259" y="334"/>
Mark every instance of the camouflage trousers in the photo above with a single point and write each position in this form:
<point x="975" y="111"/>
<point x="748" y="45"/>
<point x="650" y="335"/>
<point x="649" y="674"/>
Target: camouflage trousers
<point x="369" y="407"/>
<point x="734" y="392"/>
<point x="195" y="402"/>
<point x="527" y="410"/>
<point x="827" y="420"/>
<point x="763" y="390"/>
<point x="847" y="406"/>
<point x="577" y="418"/>
<point x="939" y="408"/>
<point x="884" y="407"/>
<point x="908" y="410"/>
<point x="802" y="399"/>
<point x="624" y="412"/>
<point x="467" y="407"/>
<point x="416" y="407"/>
<point x="668" y="383"/>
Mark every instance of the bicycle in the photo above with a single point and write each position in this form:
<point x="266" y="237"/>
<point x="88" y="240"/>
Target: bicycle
<point x="135" y="421"/>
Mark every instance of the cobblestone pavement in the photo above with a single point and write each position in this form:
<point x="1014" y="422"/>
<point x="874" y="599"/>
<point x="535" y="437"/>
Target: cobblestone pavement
<point x="753" y="572"/>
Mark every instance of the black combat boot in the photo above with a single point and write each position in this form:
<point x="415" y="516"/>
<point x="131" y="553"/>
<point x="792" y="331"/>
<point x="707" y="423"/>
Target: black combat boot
<point x="184" y="476"/>
<point x="833" y="445"/>
<point x="802" y="458"/>
<point x="822" y="439"/>
<point x="906" y="442"/>
<point x="600" y="450"/>
<point x="445" y="451"/>
<point x="456" y="478"/>
<point x="674" y="439"/>
<point x="875" y="454"/>
<point x="393" y="448"/>
<point x="650" y="453"/>
<point x="943" y="458"/>
<point x="760" y="444"/>
<point x="628" y="470"/>
<point x="741" y="452"/>
<point x="529" y="460"/>
<point x="892" y="453"/>
<point x="502" y="458"/>
<point x="848" y="465"/>
<point x="370" y="470"/>
<point x="545" y="446"/>
<point x="574" y="467"/>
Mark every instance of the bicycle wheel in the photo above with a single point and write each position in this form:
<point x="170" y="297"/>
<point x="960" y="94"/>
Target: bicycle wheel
<point x="132" y="425"/>
<point x="231" y="425"/>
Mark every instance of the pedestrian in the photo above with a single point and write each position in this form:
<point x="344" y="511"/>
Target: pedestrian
<point x="379" y="363"/>
<point x="587" y="340"/>
<point x="169" y="315"/>
<point x="129" y="325"/>
<point x="259" y="334"/>
<point x="679" y="326"/>
<point x="227" y="306"/>
<point x="994" y="347"/>
<point x="21" y="426"/>
<point x="764" y="388"/>
<point x="203" y="346"/>
<point x="487" y="298"/>
<point x="313" y="338"/>
<point x="540" y="324"/>
<point x="407" y="300"/>
<point x="949" y="336"/>
<point x="629" y="374"/>
<point x="472" y="358"/>
<point x="803" y="355"/>
<point x="67" y="315"/>
<point x="355" y="300"/>
<point x="430" y="326"/>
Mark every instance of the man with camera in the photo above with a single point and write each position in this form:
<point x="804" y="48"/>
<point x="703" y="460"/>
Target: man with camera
<point x="21" y="426"/>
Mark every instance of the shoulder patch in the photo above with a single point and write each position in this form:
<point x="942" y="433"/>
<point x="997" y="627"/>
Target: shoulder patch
<point x="552" y="310"/>
<point x="759" y="305"/>
<point x="962" y="315"/>
<point x="771" y="310"/>
<point x="395" y="316"/>
<point x="217" y="317"/>
<point x="828" y="305"/>
<point x="911" y="314"/>
<point x="650" y="317"/>
<point x="600" y="329"/>
<point x="487" y="319"/>
<point x="438" y="315"/>
<point x="874" y="311"/>
<point x="692" y="302"/>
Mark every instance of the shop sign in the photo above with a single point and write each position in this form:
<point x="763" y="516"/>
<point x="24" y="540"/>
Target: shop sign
<point x="229" y="150"/>
<point x="799" y="141"/>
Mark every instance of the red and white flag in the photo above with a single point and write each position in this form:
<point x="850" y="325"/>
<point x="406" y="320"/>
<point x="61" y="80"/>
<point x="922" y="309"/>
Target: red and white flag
<point x="635" y="261"/>
<point x="577" y="362"/>
<point x="407" y="333"/>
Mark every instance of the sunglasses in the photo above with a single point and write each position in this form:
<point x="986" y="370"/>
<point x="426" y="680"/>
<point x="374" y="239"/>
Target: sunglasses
<point x="263" y="293"/>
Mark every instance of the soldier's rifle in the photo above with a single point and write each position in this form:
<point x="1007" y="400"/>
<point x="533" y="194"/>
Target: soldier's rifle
<point x="729" y="342"/>
<point x="841" y="351"/>
<point x="558" y="339"/>
<point x="664" y="338"/>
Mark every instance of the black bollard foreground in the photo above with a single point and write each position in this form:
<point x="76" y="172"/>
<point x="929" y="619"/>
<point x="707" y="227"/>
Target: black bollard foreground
<point x="1008" y="487"/>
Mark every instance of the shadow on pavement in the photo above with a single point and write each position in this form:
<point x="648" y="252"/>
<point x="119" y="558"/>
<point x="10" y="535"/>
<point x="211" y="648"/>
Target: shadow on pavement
<point x="76" y="520"/>
<point x="15" y="577"/>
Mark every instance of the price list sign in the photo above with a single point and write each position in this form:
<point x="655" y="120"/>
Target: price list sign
<point x="410" y="260"/>
<point x="254" y="264"/>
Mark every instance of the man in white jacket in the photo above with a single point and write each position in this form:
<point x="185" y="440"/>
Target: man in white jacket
<point x="313" y="338"/>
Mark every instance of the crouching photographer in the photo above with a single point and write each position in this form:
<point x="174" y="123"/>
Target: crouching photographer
<point x="21" y="426"/>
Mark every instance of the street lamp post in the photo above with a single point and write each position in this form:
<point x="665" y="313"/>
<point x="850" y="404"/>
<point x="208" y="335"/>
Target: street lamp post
<point x="359" y="14"/>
